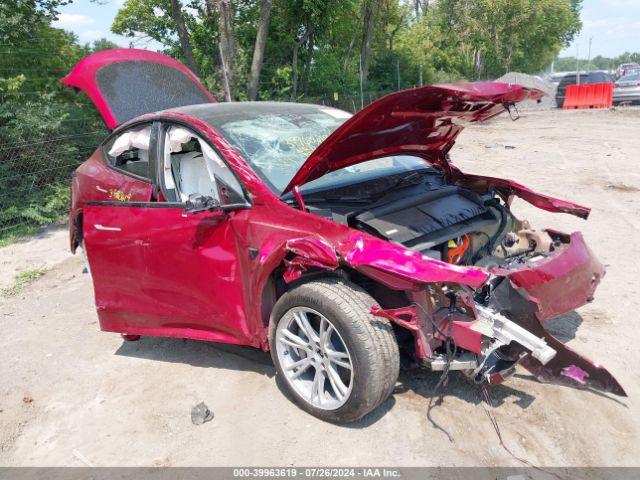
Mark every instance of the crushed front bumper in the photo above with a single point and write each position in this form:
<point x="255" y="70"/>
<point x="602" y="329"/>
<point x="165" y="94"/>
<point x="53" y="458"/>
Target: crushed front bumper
<point x="560" y="282"/>
<point x="555" y="285"/>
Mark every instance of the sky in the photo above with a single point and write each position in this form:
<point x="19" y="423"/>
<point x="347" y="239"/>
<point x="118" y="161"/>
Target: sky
<point x="614" y="26"/>
<point x="92" y="20"/>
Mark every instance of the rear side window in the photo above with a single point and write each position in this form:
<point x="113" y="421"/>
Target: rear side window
<point x="599" y="77"/>
<point x="129" y="152"/>
<point x="572" y="80"/>
<point x="568" y="80"/>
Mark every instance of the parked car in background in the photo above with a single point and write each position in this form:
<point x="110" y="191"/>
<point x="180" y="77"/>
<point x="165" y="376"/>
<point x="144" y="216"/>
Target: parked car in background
<point x="334" y="241"/>
<point x="585" y="78"/>
<point x="627" y="89"/>
<point x="557" y="77"/>
<point x="626" y="69"/>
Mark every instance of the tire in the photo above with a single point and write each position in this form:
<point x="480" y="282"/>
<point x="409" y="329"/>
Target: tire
<point x="368" y="341"/>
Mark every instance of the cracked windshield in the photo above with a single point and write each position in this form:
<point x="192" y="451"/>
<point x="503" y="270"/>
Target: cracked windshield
<point x="276" y="144"/>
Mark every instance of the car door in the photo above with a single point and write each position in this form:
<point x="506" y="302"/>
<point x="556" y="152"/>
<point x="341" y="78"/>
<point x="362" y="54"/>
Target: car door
<point x="161" y="270"/>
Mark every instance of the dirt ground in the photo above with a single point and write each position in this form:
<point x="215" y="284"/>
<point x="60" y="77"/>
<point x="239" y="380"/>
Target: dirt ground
<point x="71" y="395"/>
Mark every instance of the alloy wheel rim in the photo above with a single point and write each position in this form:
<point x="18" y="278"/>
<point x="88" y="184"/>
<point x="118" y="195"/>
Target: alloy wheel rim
<point x="314" y="358"/>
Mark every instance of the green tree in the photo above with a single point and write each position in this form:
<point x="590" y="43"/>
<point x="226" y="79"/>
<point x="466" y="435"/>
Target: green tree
<point x="20" y="20"/>
<point x="599" y="62"/>
<point x="101" y="44"/>
<point x="46" y="130"/>
<point x="496" y="36"/>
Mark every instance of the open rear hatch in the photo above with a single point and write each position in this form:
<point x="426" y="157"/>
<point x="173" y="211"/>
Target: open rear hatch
<point x="125" y="83"/>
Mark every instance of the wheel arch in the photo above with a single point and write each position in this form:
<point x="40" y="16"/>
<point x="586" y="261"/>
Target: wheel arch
<point x="277" y="284"/>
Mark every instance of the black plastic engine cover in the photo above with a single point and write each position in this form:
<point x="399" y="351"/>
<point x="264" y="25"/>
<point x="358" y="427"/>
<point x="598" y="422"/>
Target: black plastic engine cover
<point x="420" y="217"/>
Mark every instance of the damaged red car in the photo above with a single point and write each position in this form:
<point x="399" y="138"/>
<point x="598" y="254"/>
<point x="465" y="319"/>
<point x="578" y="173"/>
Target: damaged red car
<point x="335" y="241"/>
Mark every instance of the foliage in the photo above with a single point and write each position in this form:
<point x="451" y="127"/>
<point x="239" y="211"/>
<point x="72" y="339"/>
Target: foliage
<point x="497" y="36"/>
<point x="45" y="130"/>
<point x="149" y="18"/>
<point x="317" y="42"/>
<point x="21" y="20"/>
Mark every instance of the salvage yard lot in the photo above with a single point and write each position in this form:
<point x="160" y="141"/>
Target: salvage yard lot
<point x="71" y="395"/>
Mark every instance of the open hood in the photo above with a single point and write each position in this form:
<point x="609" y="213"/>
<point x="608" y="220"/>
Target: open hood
<point x="125" y="83"/>
<point x="423" y="121"/>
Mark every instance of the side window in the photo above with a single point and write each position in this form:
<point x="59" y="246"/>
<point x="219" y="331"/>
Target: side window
<point x="129" y="151"/>
<point x="191" y="166"/>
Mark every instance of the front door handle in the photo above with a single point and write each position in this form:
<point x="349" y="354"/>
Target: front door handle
<point x="107" y="229"/>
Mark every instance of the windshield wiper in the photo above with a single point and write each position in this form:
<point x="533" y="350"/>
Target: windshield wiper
<point x="414" y="178"/>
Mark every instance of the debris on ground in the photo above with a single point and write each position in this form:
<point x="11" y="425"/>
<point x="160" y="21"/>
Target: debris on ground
<point x="237" y="381"/>
<point x="498" y="145"/>
<point x="201" y="414"/>
<point x="622" y="187"/>
<point x="27" y="400"/>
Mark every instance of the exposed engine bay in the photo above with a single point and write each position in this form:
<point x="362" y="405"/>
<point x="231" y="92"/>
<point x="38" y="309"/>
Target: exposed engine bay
<point x="424" y="211"/>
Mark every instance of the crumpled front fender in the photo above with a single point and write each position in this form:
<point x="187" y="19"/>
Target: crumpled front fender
<point x="308" y="252"/>
<point x="393" y="265"/>
<point x="400" y="268"/>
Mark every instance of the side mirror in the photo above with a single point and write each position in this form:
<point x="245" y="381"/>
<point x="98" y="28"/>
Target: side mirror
<point x="201" y="203"/>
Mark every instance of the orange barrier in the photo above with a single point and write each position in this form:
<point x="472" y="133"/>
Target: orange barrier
<point x="593" y="95"/>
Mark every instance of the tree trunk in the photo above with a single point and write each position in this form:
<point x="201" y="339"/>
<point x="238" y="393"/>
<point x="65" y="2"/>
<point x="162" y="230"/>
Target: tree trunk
<point x="478" y="64"/>
<point x="369" y="13"/>
<point x="258" y="51"/>
<point x="347" y="57"/>
<point x="394" y="32"/>
<point x="307" y="67"/>
<point x="421" y="7"/>
<point x="183" y="35"/>
<point x="227" y="45"/>
<point x="296" y="51"/>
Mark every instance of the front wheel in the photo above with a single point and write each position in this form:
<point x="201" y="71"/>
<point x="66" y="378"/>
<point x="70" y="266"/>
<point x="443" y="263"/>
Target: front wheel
<point x="338" y="361"/>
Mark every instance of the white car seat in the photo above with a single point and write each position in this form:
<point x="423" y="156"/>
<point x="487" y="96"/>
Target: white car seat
<point x="194" y="176"/>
